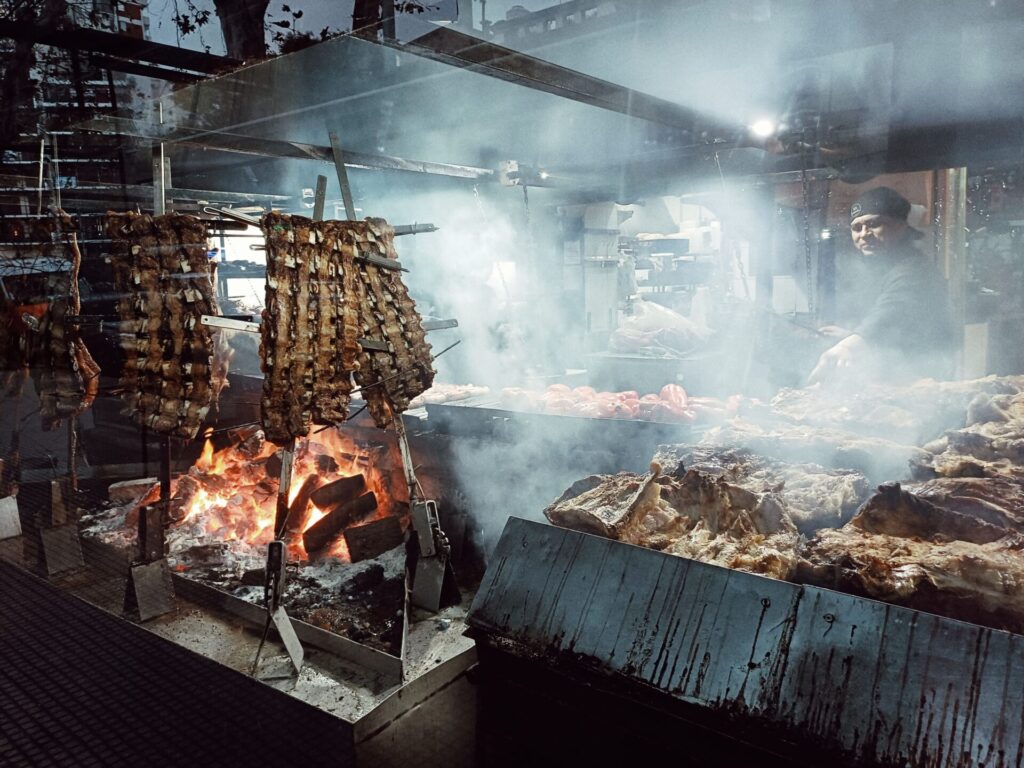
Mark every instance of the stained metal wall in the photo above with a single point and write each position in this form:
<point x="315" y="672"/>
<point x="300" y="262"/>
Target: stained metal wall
<point x="874" y="682"/>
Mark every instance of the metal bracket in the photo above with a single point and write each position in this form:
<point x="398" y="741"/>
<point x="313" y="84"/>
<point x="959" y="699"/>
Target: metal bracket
<point x="439" y="325"/>
<point x="434" y="585"/>
<point x="228" y="213"/>
<point x="10" y="520"/>
<point x="339" y="166"/>
<point x="227" y="324"/>
<point x="61" y="549"/>
<point x="319" y="198"/>
<point x="380" y="261"/>
<point x="273" y="591"/>
<point x="150" y="589"/>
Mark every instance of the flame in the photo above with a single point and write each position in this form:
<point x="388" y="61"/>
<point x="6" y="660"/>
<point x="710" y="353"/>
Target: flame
<point x="228" y="496"/>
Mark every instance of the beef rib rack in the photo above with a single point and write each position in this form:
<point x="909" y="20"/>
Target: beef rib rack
<point x="326" y="291"/>
<point x="173" y="368"/>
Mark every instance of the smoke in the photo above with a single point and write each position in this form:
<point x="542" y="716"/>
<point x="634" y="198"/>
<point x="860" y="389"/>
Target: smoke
<point x="496" y="264"/>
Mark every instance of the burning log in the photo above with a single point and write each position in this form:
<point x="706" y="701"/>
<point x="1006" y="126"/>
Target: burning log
<point x="373" y="538"/>
<point x="298" y="510"/>
<point x="321" y="533"/>
<point x="339" y="492"/>
<point x="185" y="490"/>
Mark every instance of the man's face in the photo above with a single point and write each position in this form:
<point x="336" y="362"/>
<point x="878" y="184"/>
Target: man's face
<point x="873" y="234"/>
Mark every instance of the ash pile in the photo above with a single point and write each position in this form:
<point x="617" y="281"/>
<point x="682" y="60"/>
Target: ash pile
<point x="791" y="491"/>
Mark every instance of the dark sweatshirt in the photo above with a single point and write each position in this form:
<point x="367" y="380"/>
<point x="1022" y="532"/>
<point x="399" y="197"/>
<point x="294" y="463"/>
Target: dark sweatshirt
<point x="899" y="303"/>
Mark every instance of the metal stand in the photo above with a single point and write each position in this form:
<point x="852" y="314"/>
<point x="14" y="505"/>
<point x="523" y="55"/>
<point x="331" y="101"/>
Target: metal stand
<point x="433" y="578"/>
<point x="150" y="590"/>
<point x="277" y="550"/>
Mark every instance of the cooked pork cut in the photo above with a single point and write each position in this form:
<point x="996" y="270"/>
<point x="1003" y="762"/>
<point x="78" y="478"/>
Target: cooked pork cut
<point x="898" y="512"/>
<point x="991" y="444"/>
<point x="697" y="515"/>
<point x="910" y="414"/>
<point x="967" y="509"/>
<point x="879" y="459"/>
<point x="980" y="583"/>
<point x="814" y="497"/>
<point x="613" y="506"/>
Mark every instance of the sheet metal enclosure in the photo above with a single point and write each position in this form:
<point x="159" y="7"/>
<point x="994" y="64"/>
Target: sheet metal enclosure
<point x="874" y="682"/>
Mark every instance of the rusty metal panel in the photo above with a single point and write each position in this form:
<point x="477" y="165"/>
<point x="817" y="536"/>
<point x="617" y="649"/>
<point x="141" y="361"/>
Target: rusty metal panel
<point x="875" y="682"/>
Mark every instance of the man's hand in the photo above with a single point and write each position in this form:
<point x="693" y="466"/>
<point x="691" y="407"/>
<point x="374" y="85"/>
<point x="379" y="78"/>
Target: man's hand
<point x="834" y="332"/>
<point x="837" y="359"/>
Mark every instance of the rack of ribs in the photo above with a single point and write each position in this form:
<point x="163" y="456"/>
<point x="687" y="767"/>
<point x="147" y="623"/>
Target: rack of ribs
<point x="323" y="297"/>
<point x="172" y="368"/>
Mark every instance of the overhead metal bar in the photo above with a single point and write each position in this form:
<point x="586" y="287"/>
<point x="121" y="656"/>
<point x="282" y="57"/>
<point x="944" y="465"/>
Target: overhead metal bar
<point x="144" y="70"/>
<point x="458" y="49"/>
<point x="97" y="41"/>
<point x="294" y="150"/>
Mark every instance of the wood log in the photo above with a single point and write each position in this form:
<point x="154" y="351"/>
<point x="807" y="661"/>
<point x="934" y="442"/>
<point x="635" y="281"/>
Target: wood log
<point x="334" y="494"/>
<point x="327" y="528"/>
<point x="373" y="538"/>
<point x="298" y="510"/>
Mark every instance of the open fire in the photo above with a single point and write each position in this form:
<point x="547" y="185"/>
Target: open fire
<point x="228" y="499"/>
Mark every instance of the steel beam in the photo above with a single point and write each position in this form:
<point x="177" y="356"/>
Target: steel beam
<point x="458" y="49"/>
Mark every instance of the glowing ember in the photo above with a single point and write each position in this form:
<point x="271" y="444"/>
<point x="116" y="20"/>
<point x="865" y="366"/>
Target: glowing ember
<point x="230" y="497"/>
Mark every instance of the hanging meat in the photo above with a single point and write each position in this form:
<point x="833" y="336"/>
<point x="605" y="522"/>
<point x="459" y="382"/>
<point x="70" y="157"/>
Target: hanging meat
<point x="324" y="297"/>
<point x="173" y="368"/>
<point x="388" y="314"/>
<point x="66" y="377"/>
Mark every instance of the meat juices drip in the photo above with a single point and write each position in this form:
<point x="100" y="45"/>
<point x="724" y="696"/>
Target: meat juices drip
<point x="321" y="299"/>
<point x="65" y="375"/>
<point x="169" y="375"/>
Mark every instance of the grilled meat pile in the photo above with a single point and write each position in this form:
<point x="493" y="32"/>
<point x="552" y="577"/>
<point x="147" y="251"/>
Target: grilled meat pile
<point x="991" y="442"/>
<point x="173" y="368"/>
<point x="910" y="415"/>
<point x="877" y="457"/>
<point x="323" y="298"/>
<point x="949" y="546"/>
<point x="951" y="541"/>
<point x="813" y="496"/>
<point x="689" y="513"/>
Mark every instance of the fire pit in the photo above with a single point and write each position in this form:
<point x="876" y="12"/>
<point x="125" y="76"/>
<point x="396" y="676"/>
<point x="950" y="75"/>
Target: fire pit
<point x="347" y="516"/>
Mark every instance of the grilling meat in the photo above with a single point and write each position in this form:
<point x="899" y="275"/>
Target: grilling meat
<point x="991" y="443"/>
<point x="391" y="379"/>
<point x="287" y="365"/>
<point x="696" y="515"/>
<point x="914" y="414"/>
<point x="943" y="509"/>
<point x="814" y="497"/>
<point x="613" y="506"/>
<point x="65" y="375"/>
<point x="978" y="582"/>
<point x="170" y="375"/>
<point x="878" y="458"/>
<point x="322" y="298"/>
<point x="951" y="546"/>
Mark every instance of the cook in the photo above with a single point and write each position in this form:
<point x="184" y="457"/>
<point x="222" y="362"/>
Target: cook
<point x="893" y="302"/>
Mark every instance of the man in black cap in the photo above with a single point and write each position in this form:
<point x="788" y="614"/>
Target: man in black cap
<point x="897" y="308"/>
